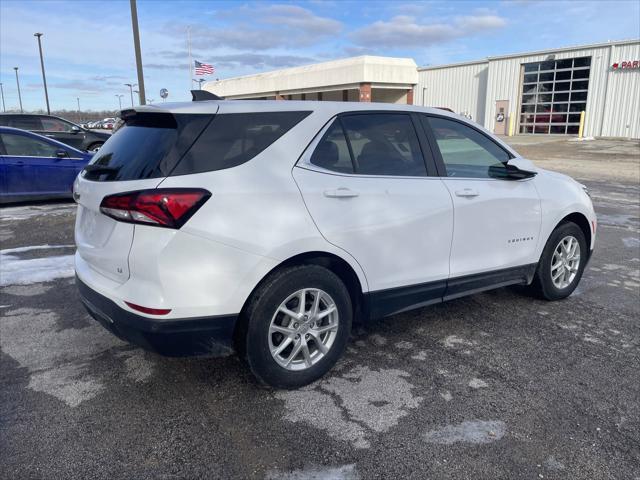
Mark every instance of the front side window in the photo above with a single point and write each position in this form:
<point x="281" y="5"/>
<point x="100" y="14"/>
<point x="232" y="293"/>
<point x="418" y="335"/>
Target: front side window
<point x="55" y="125"/>
<point x="466" y="152"/>
<point x="21" y="146"/>
<point x="375" y="144"/>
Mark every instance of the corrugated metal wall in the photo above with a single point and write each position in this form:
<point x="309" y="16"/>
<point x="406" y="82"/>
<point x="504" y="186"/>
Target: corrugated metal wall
<point x="613" y="101"/>
<point x="460" y="88"/>
<point x="621" y="115"/>
<point x="505" y="77"/>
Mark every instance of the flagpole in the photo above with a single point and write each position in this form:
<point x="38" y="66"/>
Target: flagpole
<point x="190" y="60"/>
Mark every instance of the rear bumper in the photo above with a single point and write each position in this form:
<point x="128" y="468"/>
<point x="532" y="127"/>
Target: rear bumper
<point x="171" y="337"/>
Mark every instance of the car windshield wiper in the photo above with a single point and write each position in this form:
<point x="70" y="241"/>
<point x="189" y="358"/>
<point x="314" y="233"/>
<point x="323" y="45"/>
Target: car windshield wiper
<point x="100" y="168"/>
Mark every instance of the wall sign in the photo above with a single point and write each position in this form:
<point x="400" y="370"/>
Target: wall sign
<point x="628" y="65"/>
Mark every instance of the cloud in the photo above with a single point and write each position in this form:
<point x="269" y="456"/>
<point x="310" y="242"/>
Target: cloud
<point x="405" y="31"/>
<point x="262" y="28"/>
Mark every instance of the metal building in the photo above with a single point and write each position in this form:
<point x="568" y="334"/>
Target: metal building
<point x="544" y="92"/>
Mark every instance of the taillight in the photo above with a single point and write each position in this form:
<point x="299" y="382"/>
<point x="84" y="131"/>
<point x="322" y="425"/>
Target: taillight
<point x="161" y="207"/>
<point x="150" y="311"/>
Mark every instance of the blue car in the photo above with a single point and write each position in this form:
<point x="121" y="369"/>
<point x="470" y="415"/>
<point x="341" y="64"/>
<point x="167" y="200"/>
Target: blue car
<point x="33" y="167"/>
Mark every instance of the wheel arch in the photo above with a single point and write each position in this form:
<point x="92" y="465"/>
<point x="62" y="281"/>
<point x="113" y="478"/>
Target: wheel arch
<point x="339" y="266"/>
<point x="583" y="222"/>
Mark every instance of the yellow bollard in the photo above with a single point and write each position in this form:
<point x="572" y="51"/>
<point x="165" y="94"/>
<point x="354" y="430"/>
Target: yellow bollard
<point x="510" y="132"/>
<point x="581" y="128"/>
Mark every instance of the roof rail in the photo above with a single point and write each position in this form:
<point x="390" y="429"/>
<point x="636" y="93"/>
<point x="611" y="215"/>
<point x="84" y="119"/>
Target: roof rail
<point x="202" y="95"/>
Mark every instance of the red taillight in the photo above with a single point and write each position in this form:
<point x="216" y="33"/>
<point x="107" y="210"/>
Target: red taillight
<point x="150" y="311"/>
<point x="162" y="207"/>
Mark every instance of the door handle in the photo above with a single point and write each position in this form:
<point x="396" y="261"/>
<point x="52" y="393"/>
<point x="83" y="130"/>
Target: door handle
<point x="341" y="192"/>
<point x="467" y="192"/>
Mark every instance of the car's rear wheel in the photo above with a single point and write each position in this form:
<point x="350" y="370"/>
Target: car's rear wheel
<point x="94" y="147"/>
<point x="299" y="323"/>
<point x="562" y="263"/>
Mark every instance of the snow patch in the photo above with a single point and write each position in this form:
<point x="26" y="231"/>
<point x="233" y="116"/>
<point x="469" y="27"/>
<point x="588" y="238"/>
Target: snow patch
<point x="24" y="271"/>
<point x="477" y="431"/>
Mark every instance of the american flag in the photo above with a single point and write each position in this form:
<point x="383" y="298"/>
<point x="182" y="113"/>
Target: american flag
<point x="204" y="68"/>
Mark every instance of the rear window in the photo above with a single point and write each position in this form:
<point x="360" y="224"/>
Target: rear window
<point x="24" y="122"/>
<point x="147" y="146"/>
<point x="151" y="145"/>
<point x="235" y="138"/>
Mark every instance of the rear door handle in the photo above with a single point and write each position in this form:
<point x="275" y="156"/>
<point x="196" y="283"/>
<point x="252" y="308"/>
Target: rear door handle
<point x="341" y="192"/>
<point x="467" y="192"/>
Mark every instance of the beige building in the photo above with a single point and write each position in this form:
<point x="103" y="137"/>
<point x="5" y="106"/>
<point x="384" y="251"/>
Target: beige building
<point x="364" y="79"/>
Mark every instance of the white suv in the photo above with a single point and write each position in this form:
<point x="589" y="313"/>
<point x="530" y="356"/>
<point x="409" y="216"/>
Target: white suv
<point x="268" y="227"/>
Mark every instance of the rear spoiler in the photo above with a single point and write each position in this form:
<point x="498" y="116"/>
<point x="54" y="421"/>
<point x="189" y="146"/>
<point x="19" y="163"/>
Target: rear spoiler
<point x="203" y="95"/>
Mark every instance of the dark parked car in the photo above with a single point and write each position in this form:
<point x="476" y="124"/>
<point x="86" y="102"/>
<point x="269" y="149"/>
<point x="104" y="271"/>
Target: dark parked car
<point x="34" y="167"/>
<point x="56" y="128"/>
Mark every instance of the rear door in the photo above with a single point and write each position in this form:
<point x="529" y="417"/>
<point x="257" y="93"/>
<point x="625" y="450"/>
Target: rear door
<point x="497" y="221"/>
<point x="137" y="157"/>
<point x="369" y="191"/>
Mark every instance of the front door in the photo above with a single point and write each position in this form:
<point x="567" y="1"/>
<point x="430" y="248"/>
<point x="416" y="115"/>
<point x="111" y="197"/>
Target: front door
<point x="366" y="186"/>
<point x="497" y="221"/>
<point x="501" y="120"/>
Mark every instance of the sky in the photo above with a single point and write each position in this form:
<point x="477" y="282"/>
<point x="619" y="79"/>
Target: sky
<point x="88" y="45"/>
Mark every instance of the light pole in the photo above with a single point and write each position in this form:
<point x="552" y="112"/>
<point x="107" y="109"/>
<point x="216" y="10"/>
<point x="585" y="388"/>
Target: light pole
<point x="131" y="85"/>
<point x="120" y="100"/>
<point x="79" y="116"/>
<point x="200" y="81"/>
<point x="4" y="109"/>
<point x="44" y="78"/>
<point x="136" y="45"/>
<point x="18" y="84"/>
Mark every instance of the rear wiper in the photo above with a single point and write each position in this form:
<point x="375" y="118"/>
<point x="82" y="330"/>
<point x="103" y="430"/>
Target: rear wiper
<point x="100" y="168"/>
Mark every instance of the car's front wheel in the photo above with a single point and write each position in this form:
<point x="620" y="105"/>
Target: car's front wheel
<point x="299" y="323"/>
<point x="562" y="263"/>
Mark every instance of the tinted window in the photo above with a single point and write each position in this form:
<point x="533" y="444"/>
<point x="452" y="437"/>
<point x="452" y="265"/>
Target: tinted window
<point x="384" y="144"/>
<point x="332" y="152"/>
<point x="24" y="122"/>
<point x="465" y="151"/>
<point x="147" y="146"/>
<point x="55" y="125"/>
<point x="22" y="146"/>
<point x="235" y="138"/>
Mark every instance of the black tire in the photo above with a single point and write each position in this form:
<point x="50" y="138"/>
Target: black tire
<point x="542" y="285"/>
<point x="263" y="305"/>
<point x="94" y="146"/>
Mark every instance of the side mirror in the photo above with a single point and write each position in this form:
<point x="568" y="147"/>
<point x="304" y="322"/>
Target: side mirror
<point x="75" y="129"/>
<point x="507" y="171"/>
<point x="62" y="153"/>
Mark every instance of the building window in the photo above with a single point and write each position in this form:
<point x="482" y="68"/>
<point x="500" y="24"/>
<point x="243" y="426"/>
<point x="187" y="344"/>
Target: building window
<point x="554" y="92"/>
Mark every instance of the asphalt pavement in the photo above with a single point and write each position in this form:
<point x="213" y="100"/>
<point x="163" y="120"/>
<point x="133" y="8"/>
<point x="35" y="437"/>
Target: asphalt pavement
<point x="496" y="385"/>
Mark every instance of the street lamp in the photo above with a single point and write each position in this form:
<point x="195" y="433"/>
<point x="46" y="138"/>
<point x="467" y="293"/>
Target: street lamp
<point x="200" y="82"/>
<point x="120" y="100"/>
<point x="4" y="109"/>
<point x="131" y="85"/>
<point x="44" y="78"/>
<point x="18" y="84"/>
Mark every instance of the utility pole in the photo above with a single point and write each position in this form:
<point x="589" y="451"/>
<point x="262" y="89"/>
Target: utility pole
<point x="131" y="85"/>
<point x="120" y="100"/>
<point x="4" y="109"/>
<point x="190" y="60"/>
<point x="18" y="84"/>
<point x="136" y="44"/>
<point x="44" y="78"/>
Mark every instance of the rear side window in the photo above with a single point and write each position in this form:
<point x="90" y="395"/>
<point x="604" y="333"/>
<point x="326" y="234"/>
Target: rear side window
<point x="332" y="153"/>
<point x="147" y="146"/>
<point x="235" y="138"/>
<point x="23" y="122"/>
<point x="378" y="144"/>
<point x="22" y="146"/>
